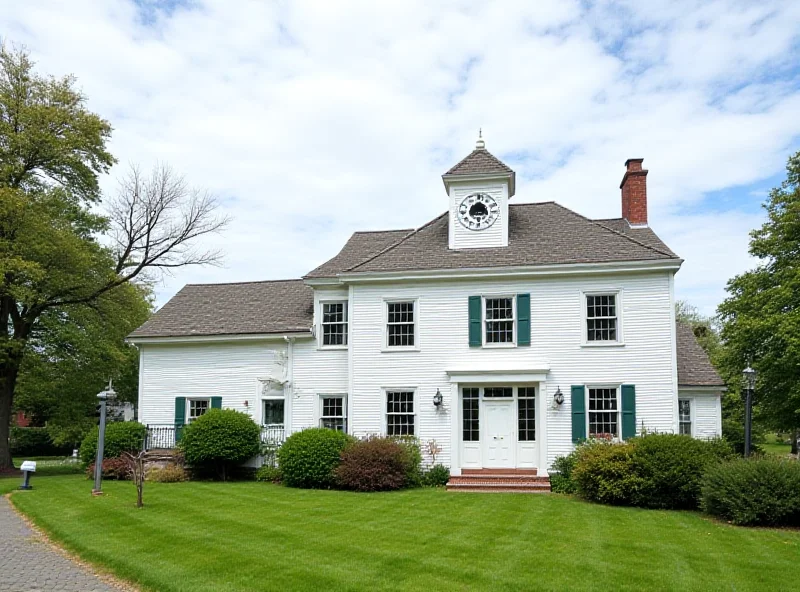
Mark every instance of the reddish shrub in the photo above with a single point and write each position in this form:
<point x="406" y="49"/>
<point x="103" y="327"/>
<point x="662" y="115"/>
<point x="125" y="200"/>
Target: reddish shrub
<point x="113" y="469"/>
<point x="374" y="464"/>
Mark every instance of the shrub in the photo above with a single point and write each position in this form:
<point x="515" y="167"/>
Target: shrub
<point x="113" y="469"/>
<point x="374" y="464"/>
<point x="168" y="474"/>
<point x="755" y="491"/>
<point x="436" y="476"/>
<point x="268" y="474"/>
<point x="35" y="442"/>
<point x="561" y="473"/>
<point x="412" y="448"/>
<point x="220" y="439"/>
<point x="653" y="471"/>
<point x="309" y="457"/>
<point x="604" y="472"/>
<point x="670" y="467"/>
<point x="123" y="436"/>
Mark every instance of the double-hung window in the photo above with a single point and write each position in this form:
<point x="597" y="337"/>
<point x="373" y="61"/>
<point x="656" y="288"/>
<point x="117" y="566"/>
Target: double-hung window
<point x="602" y="318"/>
<point x="400" y="418"/>
<point x="499" y="320"/>
<point x="685" y="416"/>
<point x="334" y="323"/>
<point x="604" y="413"/>
<point x="333" y="413"/>
<point x="401" y="323"/>
<point x="196" y="408"/>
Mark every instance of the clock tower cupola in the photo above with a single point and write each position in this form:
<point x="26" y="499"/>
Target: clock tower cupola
<point x="479" y="188"/>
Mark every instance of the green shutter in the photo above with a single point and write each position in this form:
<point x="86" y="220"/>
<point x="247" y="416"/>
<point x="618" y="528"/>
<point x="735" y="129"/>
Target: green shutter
<point x="180" y="416"/>
<point x="523" y="319"/>
<point x="628" y="411"/>
<point x="216" y="402"/>
<point x="475" y="333"/>
<point x="578" y="413"/>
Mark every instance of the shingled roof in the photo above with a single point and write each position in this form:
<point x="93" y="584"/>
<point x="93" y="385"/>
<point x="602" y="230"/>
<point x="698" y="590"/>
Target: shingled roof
<point x="694" y="367"/>
<point x="361" y="246"/>
<point x="480" y="162"/>
<point x="539" y="234"/>
<point x="284" y="306"/>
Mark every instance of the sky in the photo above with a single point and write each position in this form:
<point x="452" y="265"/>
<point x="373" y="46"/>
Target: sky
<point x="312" y="120"/>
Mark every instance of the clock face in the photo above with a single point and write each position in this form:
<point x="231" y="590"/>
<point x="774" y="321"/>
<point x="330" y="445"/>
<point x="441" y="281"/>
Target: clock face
<point x="478" y="211"/>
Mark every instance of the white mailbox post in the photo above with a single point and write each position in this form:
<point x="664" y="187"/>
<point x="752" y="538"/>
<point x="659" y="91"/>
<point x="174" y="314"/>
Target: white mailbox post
<point x="28" y="467"/>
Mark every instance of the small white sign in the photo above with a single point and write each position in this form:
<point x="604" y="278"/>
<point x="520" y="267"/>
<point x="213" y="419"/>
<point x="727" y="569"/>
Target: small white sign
<point x="28" y="465"/>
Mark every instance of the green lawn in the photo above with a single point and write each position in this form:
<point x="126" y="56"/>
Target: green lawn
<point x="773" y="446"/>
<point x="253" y="536"/>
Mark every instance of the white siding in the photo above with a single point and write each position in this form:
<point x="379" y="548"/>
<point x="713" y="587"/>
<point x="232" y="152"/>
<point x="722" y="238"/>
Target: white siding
<point x="556" y="335"/>
<point x="494" y="236"/>
<point x="706" y="413"/>
<point x="227" y="370"/>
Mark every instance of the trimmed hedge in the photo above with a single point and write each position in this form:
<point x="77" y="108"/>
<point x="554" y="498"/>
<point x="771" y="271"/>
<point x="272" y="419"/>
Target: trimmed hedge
<point x="754" y="491"/>
<point x="374" y="464"/>
<point x="309" y="457"/>
<point x="219" y="440"/>
<point x="121" y="436"/>
<point x="652" y="471"/>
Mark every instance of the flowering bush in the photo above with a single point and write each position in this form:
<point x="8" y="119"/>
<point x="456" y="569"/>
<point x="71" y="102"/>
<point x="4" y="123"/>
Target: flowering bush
<point x="113" y="469"/>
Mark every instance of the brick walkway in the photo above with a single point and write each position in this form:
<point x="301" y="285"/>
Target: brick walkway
<point x="27" y="563"/>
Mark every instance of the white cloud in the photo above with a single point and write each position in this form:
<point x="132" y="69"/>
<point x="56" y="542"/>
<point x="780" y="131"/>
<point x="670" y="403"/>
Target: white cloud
<point x="314" y="119"/>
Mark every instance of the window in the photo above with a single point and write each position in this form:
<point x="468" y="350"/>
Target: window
<point x="685" y="416"/>
<point x="334" y="413"/>
<point x="499" y="320"/>
<point x="400" y="324"/>
<point x="601" y="317"/>
<point x="334" y="323"/>
<point x="197" y="407"/>
<point x="498" y="392"/>
<point x="273" y="412"/>
<point x="471" y="410"/>
<point x="526" y="413"/>
<point x="400" y="413"/>
<point x="603" y="413"/>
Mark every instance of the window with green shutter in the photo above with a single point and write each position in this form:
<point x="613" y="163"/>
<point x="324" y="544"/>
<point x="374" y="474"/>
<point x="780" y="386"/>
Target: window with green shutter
<point x="628" y="411"/>
<point x="523" y="319"/>
<point x="578" y="403"/>
<point x="475" y="331"/>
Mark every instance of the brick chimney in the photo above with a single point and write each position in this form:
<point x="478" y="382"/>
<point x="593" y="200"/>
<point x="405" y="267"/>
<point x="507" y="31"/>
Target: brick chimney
<point x="634" y="192"/>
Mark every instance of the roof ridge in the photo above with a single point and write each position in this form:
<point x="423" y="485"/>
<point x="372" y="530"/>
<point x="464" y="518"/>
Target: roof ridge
<point x="623" y="235"/>
<point x="394" y="244"/>
<point x="382" y="231"/>
<point x="245" y="283"/>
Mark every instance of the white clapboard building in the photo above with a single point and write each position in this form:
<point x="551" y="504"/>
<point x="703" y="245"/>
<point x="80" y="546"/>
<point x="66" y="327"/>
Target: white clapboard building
<point x="504" y="331"/>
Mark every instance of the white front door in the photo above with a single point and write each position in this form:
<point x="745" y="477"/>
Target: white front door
<point x="498" y="434"/>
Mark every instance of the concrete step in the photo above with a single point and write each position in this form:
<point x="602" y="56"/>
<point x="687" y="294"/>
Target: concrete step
<point x="539" y="487"/>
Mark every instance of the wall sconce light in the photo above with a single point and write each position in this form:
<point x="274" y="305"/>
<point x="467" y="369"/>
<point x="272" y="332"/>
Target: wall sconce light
<point x="558" y="398"/>
<point x="437" y="399"/>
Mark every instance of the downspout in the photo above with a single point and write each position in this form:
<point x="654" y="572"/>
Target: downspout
<point x="290" y="381"/>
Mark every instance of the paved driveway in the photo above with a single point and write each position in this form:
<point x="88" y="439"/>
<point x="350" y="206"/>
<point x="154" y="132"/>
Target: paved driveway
<point x="28" y="563"/>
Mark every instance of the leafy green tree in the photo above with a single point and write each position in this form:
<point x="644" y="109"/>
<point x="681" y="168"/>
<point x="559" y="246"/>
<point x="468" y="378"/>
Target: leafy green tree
<point x="761" y="316"/>
<point x="57" y="254"/>
<point x="73" y="355"/>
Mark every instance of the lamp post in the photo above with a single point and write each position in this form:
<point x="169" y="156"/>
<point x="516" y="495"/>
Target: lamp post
<point x="104" y="396"/>
<point x="749" y="385"/>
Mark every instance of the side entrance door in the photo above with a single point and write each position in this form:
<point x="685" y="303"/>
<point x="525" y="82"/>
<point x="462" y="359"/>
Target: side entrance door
<point x="498" y="436"/>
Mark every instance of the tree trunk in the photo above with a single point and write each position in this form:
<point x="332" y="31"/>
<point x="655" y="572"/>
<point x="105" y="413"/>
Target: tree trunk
<point x="8" y="382"/>
<point x="795" y="436"/>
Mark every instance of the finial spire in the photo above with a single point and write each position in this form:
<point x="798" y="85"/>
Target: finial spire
<point x="480" y="144"/>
